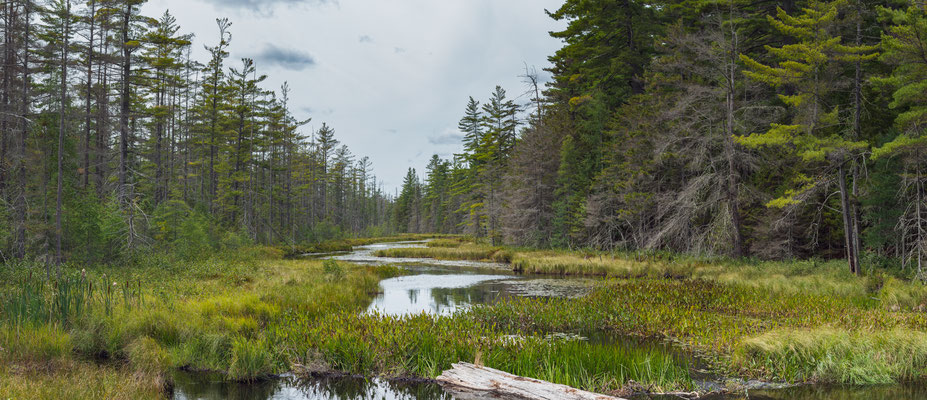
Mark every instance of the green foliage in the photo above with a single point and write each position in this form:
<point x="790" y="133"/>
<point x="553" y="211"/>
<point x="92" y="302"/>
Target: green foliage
<point x="424" y="346"/>
<point x="837" y="356"/>
<point x="332" y="270"/>
<point x="251" y="360"/>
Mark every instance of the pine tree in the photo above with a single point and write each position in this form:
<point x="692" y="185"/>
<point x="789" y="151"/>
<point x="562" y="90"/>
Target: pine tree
<point x="811" y="71"/>
<point x="162" y="55"/>
<point x="904" y="44"/>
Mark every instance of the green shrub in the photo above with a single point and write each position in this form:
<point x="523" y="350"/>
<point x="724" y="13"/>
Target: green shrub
<point x="250" y="360"/>
<point x="333" y="271"/>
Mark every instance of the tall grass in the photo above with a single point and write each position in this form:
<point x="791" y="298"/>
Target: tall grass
<point x="470" y="252"/>
<point x="423" y="345"/>
<point x="33" y="299"/>
<point x="837" y="356"/>
<point x="825" y="278"/>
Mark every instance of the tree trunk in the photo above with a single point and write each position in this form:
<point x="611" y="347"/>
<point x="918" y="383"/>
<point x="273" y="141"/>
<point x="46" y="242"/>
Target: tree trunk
<point x="847" y="219"/>
<point x="125" y="106"/>
<point x="19" y="247"/>
<point x="729" y="149"/>
<point x="857" y="132"/>
<point x="87" y="100"/>
<point x="159" y="138"/>
<point x="62" y="126"/>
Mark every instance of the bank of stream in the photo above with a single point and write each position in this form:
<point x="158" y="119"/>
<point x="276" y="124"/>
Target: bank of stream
<point x="442" y="287"/>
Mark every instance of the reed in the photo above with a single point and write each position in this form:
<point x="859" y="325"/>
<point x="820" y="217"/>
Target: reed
<point x="424" y="346"/>
<point x="470" y="252"/>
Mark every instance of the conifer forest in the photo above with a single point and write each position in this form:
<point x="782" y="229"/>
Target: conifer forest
<point x="689" y="198"/>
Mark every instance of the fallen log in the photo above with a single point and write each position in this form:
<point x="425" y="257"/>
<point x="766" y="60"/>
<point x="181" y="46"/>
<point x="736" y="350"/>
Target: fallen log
<point x="467" y="381"/>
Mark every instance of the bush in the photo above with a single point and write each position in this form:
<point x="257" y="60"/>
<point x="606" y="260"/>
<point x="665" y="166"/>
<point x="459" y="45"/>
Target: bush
<point x="93" y="230"/>
<point x="181" y="228"/>
<point x="333" y="271"/>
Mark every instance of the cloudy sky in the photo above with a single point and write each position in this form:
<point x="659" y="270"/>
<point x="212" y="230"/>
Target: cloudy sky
<point x="391" y="77"/>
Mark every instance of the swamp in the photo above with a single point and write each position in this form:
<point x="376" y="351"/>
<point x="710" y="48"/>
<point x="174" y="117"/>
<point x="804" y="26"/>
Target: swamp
<point x="458" y="199"/>
<point x="372" y="323"/>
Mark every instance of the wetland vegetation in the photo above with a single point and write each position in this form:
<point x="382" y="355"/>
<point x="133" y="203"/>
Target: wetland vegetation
<point x="727" y="192"/>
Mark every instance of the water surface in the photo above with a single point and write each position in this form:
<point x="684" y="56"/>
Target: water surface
<point x="443" y="287"/>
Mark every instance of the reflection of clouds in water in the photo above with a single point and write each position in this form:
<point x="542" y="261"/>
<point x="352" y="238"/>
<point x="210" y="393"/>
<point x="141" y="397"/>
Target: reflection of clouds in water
<point x="439" y="293"/>
<point x="199" y="386"/>
<point x="565" y="288"/>
<point x="442" y="286"/>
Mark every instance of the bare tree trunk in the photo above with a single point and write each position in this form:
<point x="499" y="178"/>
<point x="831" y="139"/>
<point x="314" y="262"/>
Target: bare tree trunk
<point x="857" y="132"/>
<point x="159" y="139"/>
<point x="729" y="146"/>
<point x="919" y="187"/>
<point x="62" y="126"/>
<point x="103" y="134"/>
<point x="8" y="63"/>
<point x="125" y="106"/>
<point x="847" y="223"/>
<point x="19" y="248"/>
<point x="87" y="100"/>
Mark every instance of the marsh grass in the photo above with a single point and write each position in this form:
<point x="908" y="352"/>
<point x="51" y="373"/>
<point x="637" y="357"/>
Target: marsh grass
<point x="223" y="314"/>
<point x="742" y="329"/>
<point x="467" y="251"/>
<point x="348" y="244"/>
<point x="423" y="345"/>
<point x="808" y="276"/>
<point x="254" y="314"/>
<point x="78" y="381"/>
<point x="837" y="356"/>
<point x="34" y="300"/>
<point x="454" y="242"/>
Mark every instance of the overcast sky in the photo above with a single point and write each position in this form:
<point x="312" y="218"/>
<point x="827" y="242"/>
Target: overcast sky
<point x="391" y="77"/>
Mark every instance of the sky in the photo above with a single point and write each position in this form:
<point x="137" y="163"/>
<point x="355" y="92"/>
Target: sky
<point x="392" y="77"/>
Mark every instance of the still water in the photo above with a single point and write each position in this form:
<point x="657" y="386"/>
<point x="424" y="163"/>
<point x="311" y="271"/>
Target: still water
<point x="442" y="287"/>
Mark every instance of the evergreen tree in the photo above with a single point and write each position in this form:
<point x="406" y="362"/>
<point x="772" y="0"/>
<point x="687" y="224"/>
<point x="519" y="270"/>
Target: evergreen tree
<point x="811" y="70"/>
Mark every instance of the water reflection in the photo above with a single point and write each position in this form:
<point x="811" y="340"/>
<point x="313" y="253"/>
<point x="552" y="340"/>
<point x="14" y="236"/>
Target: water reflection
<point x="431" y="293"/>
<point x="441" y="287"/>
<point x="198" y="386"/>
<point x="809" y="392"/>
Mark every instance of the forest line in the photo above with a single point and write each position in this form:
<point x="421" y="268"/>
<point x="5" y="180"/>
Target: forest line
<point x="776" y="130"/>
<point x="115" y="139"/>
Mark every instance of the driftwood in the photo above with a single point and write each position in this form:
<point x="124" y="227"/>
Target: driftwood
<point x="467" y="381"/>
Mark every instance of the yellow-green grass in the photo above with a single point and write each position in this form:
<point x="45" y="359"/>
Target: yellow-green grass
<point x="742" y="329"/>
<point x="256" y="314"/>
<point x="349" y="243"/>
<point x="750" y="317"/>
<point x="837" y="356"/>
<point x="78" y="381"/>
<point x="424" y="346"/>
<point x="830" y="277"/>
<point x="221" y="314"/>
<point x="452" y="242"/>
<point x="250" y="313"/>
<point x="472" y="252"/>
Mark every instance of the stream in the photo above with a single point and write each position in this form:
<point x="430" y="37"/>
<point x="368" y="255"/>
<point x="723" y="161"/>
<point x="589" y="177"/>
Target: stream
<point x="443" y="287"/>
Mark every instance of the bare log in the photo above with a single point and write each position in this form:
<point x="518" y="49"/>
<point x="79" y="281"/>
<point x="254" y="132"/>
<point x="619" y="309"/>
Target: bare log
<point x="467" y="381"/>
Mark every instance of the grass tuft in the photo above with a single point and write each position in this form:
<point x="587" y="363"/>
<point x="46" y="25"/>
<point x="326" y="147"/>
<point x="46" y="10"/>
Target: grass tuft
<point x="837" y="356"/>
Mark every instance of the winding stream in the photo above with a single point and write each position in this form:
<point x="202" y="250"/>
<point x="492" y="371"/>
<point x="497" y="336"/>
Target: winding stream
<point x="442" y="287"/>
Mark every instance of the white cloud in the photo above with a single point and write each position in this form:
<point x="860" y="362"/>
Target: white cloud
<point x="390" y="106"/>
